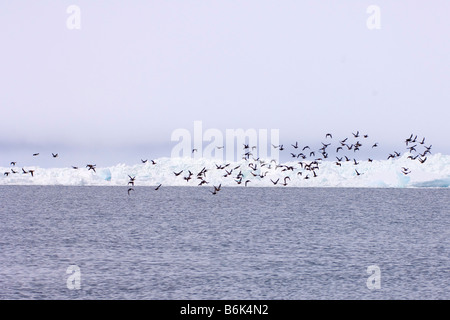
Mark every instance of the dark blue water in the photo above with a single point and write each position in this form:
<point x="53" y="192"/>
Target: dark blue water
<point x="243" y="243"/>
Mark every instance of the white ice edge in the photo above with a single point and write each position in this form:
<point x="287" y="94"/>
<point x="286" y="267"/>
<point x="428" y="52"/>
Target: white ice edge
<point x="435" y="172"/>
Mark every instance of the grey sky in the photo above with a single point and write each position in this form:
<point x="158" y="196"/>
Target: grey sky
<point x="137" y="70"/>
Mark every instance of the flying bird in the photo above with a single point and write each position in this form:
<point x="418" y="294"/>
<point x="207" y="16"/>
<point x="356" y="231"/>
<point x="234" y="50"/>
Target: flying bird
<point x="177" y="174"/>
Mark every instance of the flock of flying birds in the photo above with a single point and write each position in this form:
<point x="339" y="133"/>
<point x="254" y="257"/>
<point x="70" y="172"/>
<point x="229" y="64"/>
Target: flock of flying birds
<point x="308" y="162"/>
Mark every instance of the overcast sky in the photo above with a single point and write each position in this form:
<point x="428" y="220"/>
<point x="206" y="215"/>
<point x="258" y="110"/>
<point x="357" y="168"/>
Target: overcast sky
<point x="137" y="70"/>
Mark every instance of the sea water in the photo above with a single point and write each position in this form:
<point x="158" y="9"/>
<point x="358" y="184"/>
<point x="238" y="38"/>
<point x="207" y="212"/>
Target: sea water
<point x="242" y="243"/>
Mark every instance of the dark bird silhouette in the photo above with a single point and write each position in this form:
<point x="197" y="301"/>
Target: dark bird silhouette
<point x="91" y="167"/>
<point x="425" y="152"/>
<point x="328" y="135"/>
<point x="375" y="145"/>
<point x="356" y="135"/>
<point x="275" y="182"/>
<point x="305" y="147"/>
<point x="157" y="188"/>
<point x="31" y="172"/>
<point x="13" y="171"/>
<point x="357" y="173"/>
<point x="6" y="174"/>
<point x="35" y="154"/>
<point x="13" y="163"/>
<point x="74" y="167"/>
<point x="405" y="170"/>
<point x="177" y="174"/>
<point x="153" y="162"/>
<point x="247" y="181"/>
<point x="409" y="139"/>
<point x="422" y="160"/>
<point x="144" y="161"/>
<point x="295" y="145"/>
<point x="194" y="150"/>
<point x="423" y="141"/>
<point x="55" y="155"/>
<point x="130" y="189"/>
